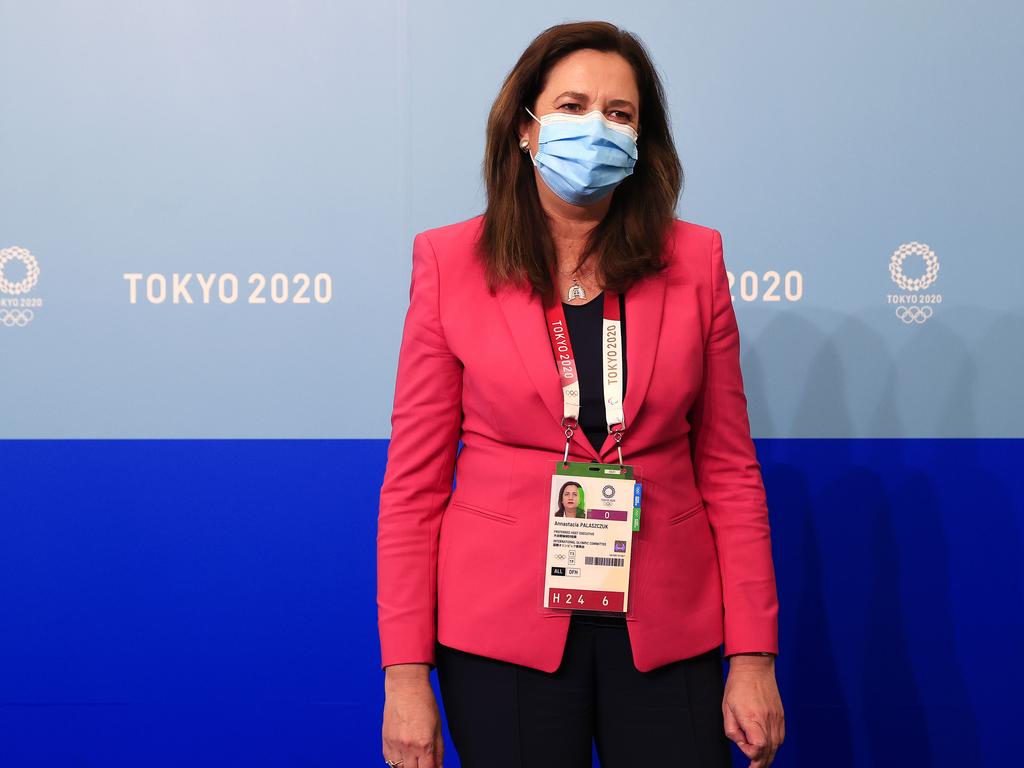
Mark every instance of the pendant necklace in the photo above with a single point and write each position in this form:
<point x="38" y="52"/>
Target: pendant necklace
<point x="575" y="290"/>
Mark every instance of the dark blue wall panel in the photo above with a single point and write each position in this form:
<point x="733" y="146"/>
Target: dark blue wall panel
<point x="211" y="602"/>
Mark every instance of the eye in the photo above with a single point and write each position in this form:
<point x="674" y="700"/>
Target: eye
<point x="624" y="117"/>
<point x="573" y="105"/>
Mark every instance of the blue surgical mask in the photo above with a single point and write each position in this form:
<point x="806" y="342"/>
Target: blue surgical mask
<point x="583" y="157"/>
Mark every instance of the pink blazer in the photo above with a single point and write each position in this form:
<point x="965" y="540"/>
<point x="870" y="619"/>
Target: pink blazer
<point x="465" y="567"/>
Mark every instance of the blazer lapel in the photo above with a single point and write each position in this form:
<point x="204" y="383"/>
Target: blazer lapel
<point x="524" y="314"/>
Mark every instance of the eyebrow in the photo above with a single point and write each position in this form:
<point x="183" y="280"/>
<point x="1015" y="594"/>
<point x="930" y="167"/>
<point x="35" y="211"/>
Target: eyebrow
<point x="584" y="97"/>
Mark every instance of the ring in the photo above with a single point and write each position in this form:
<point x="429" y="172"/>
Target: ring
<point x="394" y="764"/>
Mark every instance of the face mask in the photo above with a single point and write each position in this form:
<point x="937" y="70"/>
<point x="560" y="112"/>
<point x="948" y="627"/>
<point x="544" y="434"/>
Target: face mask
<point x="583" y="157"/>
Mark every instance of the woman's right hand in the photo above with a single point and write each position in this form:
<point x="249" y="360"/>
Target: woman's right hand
<point x="412" y="722"/>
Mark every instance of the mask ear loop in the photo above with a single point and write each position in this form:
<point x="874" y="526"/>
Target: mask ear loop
<point x="532" y="158"/>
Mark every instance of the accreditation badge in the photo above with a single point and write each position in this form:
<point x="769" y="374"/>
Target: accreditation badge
<point x="593" y="512"/>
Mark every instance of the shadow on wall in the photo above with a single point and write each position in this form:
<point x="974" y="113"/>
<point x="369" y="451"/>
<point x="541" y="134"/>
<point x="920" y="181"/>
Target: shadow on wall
<point x="902" y="555"/>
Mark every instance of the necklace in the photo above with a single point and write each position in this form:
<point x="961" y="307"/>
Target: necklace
<point x="576" y="290"/>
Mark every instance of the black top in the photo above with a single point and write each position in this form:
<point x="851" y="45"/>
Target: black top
<point x="585" y="322"/>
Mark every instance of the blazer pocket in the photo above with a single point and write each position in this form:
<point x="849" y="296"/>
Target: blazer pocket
<point x="678" y="517"/>
<point x="501" y="517"/>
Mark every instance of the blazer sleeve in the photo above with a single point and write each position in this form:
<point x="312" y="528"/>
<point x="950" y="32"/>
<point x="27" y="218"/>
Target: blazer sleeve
<point x="425" y="426"/>
<point x="728" y="477"/>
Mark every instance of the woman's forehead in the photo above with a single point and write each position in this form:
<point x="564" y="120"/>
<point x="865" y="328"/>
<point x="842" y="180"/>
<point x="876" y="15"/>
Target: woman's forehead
<point x="596" y="74"/>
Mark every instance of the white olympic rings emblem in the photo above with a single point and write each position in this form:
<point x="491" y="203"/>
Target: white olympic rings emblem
<point x="13" y="317"/>
<point x="913" y="314"/>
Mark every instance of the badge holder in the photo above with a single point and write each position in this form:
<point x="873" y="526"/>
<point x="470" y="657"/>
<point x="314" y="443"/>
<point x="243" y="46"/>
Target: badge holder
<point x="593" y="513"/>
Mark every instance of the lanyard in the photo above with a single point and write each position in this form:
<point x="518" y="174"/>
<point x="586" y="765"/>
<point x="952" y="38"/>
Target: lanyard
<point x="611" y="345"/>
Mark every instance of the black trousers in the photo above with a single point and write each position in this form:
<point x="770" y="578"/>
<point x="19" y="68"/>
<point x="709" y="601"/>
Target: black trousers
<point x="504" y="715"/>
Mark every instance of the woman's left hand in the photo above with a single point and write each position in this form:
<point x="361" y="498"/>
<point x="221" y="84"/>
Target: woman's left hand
<point x="753" y="708"/>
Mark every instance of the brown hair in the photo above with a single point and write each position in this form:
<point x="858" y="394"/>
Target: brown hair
<point x="515" y="243"/>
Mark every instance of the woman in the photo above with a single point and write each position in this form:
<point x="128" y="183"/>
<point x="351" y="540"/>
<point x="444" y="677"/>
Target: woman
<point x="569" y="501"/>
<point x="582" y="182"/>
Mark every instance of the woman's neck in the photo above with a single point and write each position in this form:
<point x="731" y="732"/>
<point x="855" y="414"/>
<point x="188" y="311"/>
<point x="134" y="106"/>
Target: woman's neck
<point x="570" y="225"/>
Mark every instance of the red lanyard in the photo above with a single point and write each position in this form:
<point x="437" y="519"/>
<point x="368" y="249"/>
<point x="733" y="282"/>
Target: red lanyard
<point x="611" y="346"/>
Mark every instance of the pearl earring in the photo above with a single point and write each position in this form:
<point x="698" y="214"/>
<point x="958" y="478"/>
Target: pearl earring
<point x="525" y="145"/>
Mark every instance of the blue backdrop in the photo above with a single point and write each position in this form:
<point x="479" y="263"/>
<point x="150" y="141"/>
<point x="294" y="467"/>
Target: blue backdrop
<point x="211" y="603"/>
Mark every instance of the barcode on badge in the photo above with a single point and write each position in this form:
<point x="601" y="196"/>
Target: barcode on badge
<point x="616" y="561"/>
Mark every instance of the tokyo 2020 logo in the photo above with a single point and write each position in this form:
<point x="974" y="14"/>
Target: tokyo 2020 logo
<point x="914" y="307"/>
<point x="17" y="309"/>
